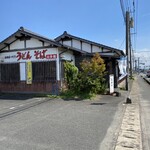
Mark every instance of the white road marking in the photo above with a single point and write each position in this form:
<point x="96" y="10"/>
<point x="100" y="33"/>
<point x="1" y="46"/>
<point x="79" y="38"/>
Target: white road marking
<point x="12" y="108"/>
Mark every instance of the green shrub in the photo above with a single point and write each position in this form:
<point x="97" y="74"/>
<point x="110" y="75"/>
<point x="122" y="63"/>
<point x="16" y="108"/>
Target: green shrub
<point x="71" y="72"/>
<point x="90" y="80"/>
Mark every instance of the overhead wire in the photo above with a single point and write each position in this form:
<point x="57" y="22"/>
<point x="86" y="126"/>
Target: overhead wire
<point x="134" y="13"/>
<point x="136" y="23"/>
<point x="121" y="44"/>
<point x="132" y="7"/>
<point x="129" y="5"/>
<point x="123" y="10"/>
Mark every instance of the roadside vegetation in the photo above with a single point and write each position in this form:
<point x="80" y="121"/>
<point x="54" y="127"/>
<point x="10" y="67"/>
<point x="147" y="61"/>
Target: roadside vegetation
<point x="86" y="82"/>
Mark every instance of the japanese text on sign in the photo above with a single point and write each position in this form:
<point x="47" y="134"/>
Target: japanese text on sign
<point x="38" y="54"/>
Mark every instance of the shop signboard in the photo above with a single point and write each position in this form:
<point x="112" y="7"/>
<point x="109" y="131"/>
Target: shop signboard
<point x="29" y="55"/>
<point x="111" y="83"/>
<point x="29" y="72"/>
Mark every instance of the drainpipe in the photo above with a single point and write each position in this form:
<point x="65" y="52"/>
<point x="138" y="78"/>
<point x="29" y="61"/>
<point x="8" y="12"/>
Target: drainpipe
<point x="60" y="66"/>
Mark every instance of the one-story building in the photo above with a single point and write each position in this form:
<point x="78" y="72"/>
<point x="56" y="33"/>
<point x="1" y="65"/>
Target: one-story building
<point x="30" y="62"/>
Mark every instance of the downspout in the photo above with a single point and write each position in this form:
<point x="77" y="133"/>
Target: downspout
<point x="60" y="67"/>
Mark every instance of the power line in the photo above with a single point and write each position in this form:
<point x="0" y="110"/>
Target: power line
<point x="142" y="51"/>
<point x="136" y="23"/>
<point x="121" y="44"/>
<point x="129" y="5"/>
<point x="126" y="4"/>
<point x="132" y="7"/>
<point x="128" y="8"/>
<point x="123" y="10"/>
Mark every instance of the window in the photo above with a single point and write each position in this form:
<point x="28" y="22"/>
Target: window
<point x="44" y="71"/>
<point x="10" y="72"/>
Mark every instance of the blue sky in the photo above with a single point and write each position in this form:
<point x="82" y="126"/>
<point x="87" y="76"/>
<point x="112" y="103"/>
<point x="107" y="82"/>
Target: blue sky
<point x="96" y="20"/>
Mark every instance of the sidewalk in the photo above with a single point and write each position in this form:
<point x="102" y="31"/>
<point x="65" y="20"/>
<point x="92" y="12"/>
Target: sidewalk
<point x="130" y="131"/>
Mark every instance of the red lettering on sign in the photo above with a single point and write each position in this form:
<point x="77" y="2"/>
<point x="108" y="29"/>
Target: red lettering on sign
<point x="23" y="56"/>
<point x="37" y="54"/>
<point x="51" y="56"/>
<point x="40" y="54"/>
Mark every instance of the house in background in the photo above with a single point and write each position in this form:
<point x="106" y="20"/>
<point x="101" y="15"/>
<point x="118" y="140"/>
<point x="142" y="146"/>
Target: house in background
<point x="30" y="62"/>
<point x="109" y="54"/>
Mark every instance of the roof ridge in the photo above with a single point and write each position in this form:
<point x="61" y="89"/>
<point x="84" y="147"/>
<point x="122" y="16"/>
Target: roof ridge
<point x="102" y="45"/>
<point x="34" y="33"/>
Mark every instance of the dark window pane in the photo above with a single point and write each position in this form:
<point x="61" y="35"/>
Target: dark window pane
<point x="44" y="71"/>
<point x="10" y="72"/>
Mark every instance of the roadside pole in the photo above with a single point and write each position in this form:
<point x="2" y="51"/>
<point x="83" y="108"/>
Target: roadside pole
<point x="138" y="65"/>
<point x="127" y="48"/>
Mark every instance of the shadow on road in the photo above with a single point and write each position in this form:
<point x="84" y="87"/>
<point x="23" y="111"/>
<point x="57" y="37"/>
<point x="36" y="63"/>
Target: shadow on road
<point x="98" y="103"/>
<point x="15" y="96"/>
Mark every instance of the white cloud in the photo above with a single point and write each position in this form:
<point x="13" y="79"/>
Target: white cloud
<point x="142" y="50"/>
<point x="143" y="55"/>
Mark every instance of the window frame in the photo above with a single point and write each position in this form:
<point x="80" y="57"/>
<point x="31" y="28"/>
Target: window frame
<point x="45" y="76"/>
<point x="9" y="73"/>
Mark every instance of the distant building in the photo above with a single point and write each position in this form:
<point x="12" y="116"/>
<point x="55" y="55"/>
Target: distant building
<point x="30" y="62"/>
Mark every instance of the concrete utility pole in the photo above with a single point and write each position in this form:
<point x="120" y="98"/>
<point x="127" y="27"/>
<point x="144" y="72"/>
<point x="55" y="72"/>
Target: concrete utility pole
<point x="138" y="65"/>
<point x="127" y="47"/>
<point x="130" y="54"/>
<point x="135" y="65"/>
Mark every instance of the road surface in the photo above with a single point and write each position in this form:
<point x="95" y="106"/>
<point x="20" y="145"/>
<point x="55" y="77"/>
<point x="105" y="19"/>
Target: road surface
<point x="61" y="125"/>
<point x="145" y="112"/>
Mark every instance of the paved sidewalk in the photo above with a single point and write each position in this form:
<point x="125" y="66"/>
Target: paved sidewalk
<point x="130" y="131"/>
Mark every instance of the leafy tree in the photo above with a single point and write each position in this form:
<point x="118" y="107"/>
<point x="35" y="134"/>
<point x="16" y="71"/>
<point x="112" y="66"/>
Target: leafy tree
<point x="71" y="72"/>
<point x="91" y="77"/>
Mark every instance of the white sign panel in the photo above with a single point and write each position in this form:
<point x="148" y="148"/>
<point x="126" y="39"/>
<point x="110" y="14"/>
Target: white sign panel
<point x="122" y="62"/>
<point x="22" y="72"/>
<point x="29" y="55"/>
<point x="111" y="83"/>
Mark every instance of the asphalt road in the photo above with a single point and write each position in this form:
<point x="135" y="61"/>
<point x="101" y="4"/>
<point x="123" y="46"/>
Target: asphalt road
<point x="61" y="125"/>
<point x="145" y="112"/>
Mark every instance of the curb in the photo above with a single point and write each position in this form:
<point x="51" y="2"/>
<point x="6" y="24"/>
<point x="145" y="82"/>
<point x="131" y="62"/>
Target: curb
<point x="146" y="79"/>
<point x="130" y="131"/>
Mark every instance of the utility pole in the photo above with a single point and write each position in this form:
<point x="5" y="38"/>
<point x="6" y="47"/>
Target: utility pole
<point x="138" y="65"/>
<point x="127" y="47"/>
<point x="130" y="54"/>
<point x="133" y="60"/>
<point x="135" y="65"/>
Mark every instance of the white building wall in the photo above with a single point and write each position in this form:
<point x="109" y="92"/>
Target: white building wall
<point x="76" y="44"/>
<point x="96" y="49"/>
<point x="67" y="56"/>
<point x="86" y="47"/>
<point x="33" y="43"/>
<point x="106" y="50"/>
<point x="61" y="42"/>
<point x="64" y="56"/>
<point x="17" y="45"/>
<point x="5" y="48"/>
<point x="29" y="44"/>
<point x="46" y="44"/>
<point x="67" y="43"/>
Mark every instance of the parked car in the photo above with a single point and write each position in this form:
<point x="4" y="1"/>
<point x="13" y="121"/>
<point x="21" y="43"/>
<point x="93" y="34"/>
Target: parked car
<point x="148" y="73"/>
